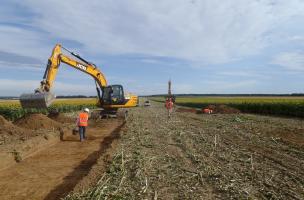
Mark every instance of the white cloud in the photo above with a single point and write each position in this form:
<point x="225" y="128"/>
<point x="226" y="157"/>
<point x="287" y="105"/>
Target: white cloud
<point x="202" y="87"/>
<point x="228" y="86"/>
<point x="151" y="61"/>
<point x="290" y="60"/>
<point x="22" y="66"/>
<point x="162" y="88"/>
<point x="296" y="38"/>
<point x="61" y="88"/>
<point x="210" y="31"/>
<point x="188" y="32"/>
<point x="23" y="42"/>
<point x="10" y="87"/>
<point x="243" y="74"/>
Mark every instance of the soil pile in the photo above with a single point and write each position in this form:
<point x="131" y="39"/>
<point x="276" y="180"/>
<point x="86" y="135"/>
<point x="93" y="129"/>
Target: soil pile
<point x="60" y="117"/>
<point x="37" y="121"/>
<point x="9" y="132"/>
<point x="6" y="127"/>
<point x="4" y="122"/>
<point x="223" y="109"/>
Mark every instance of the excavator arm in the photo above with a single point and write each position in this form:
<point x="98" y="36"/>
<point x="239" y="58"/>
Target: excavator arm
<point x="43" y="97"/>
<point x="54" y="62"/>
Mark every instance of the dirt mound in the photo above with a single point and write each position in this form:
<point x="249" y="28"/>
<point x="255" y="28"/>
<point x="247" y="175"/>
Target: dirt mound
<point x="60" y="117"/>
<point x="8" y="127"/>
<point x="37" y="121"/>
<point x="223" y="109"/>
<point x="4" y="122"/>
<point x="10" y="133"/>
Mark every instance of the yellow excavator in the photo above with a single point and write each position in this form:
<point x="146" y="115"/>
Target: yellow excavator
<point x="110" y="97"/>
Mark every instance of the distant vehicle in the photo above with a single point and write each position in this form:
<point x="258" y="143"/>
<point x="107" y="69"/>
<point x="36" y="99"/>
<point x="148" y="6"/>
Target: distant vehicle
<point x="147" y="103"/>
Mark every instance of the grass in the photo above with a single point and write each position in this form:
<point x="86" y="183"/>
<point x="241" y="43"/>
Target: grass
<point x="17" y="155"/>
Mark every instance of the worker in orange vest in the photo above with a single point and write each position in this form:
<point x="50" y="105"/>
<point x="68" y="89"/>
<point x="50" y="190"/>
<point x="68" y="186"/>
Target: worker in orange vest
<point x="207" y="111"/>
<point x="169" y="106"/>
<point x="82" y="123"/>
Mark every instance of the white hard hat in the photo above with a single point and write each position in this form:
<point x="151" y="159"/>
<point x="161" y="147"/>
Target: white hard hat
<point x="86" y="110"/>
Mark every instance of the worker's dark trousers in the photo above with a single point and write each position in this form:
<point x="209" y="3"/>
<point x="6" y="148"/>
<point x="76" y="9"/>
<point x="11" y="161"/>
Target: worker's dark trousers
<point x="82" y="130"/>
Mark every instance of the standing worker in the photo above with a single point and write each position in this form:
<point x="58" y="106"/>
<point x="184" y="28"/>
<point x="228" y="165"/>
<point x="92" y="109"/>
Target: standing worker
<point x="82" y="123"/>
<point x="169" y="106"/>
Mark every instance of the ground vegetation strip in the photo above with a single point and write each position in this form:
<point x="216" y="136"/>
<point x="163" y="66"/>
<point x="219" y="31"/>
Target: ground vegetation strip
<point x="196" y="156"/>
<point x="283" y="106"/>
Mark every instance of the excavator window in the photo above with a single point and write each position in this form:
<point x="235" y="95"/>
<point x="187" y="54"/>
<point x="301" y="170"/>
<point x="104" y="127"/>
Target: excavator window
<point x="113" y="94"/>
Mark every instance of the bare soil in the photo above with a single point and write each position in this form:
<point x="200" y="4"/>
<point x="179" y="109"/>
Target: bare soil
<point x="53" y="172"/>
<point x="37" y="121"/>
<point x="61" y="118"/>
<point x="9" y="133"/>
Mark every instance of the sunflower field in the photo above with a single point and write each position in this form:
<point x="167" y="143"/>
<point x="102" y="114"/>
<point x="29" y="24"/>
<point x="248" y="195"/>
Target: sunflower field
<point x="11" y="109"/>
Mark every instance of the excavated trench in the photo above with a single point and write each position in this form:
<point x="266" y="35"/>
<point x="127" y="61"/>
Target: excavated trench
<point x="54" y="171"/>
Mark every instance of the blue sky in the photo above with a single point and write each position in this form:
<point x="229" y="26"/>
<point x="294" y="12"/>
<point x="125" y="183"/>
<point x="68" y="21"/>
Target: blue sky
<point x="204" y="46"/>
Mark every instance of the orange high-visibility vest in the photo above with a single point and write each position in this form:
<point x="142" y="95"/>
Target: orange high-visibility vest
<point x="207" y="110"/>
<point x="83" y="119"/>
<point x="169" y="104"/>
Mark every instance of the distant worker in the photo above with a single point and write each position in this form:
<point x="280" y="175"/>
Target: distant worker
<point x="82" y="123"/>
<point x="169" y="106"/>
<point x="207" y="111"/>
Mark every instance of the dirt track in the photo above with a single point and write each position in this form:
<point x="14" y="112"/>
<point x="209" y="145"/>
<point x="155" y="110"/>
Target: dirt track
<point x="53" y="172"/>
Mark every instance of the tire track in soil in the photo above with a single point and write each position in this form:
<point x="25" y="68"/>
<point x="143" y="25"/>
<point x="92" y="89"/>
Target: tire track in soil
<point x="54" y="172"/>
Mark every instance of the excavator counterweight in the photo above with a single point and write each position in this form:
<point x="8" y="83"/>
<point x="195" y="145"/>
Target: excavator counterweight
<point x="37" y="100"/>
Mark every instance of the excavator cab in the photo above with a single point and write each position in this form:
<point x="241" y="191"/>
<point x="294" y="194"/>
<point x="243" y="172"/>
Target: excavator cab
<point x="113" y="95"/>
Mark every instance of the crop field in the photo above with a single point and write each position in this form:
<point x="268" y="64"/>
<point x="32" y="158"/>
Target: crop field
<point x="11" y="109"/>
<point x="58" y="102"/>
<point x="282" y="106"/>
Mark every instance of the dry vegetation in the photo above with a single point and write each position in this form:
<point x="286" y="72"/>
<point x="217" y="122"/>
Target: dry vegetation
<point x="195" y="156"/>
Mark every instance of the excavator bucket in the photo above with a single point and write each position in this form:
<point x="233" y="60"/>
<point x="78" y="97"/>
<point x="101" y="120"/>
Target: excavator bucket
<point x="37" y="100"/>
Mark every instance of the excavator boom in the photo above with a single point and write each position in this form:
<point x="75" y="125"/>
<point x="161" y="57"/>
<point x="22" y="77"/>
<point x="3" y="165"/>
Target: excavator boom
<point x="43" y="97"/>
